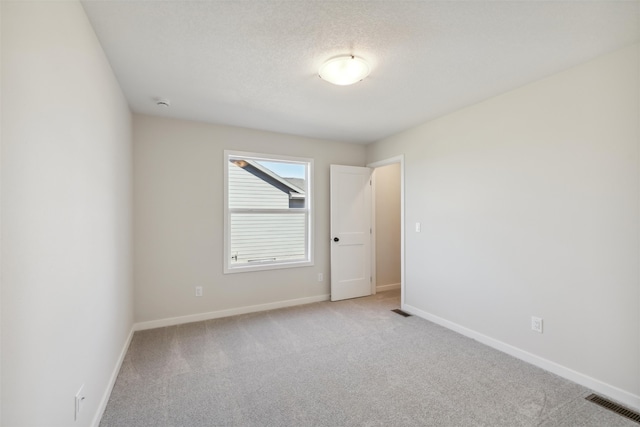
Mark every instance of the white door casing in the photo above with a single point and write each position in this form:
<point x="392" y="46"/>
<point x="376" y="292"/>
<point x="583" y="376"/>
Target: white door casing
<point x="350" y="232"/>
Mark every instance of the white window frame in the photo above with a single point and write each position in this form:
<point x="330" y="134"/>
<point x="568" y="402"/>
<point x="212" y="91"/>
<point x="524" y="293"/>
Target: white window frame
<point x="268" y="265"/>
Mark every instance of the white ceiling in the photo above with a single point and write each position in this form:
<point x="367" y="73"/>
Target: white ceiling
<point x="254" y="63"/>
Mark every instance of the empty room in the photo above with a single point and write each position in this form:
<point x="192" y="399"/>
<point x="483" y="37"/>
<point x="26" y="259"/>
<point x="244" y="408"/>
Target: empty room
<point x="319" y="213"/>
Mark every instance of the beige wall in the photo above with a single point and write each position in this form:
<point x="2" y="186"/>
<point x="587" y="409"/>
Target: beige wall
<point x="178" y="218"/>
<point x="387" y="217"/>
<point x="67" y="307"/>
<point x="529" y="206"/>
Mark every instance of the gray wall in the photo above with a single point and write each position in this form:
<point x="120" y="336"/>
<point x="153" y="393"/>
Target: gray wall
<point x="529" y="206"/>
<point x="67" y="307"/>
<point x="178" y="217"/>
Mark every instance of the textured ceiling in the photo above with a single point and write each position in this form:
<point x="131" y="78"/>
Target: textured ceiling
<point x="254" y="63"/>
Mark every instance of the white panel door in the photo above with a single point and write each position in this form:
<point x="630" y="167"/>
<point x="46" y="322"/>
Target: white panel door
<point x="350" y="232"/>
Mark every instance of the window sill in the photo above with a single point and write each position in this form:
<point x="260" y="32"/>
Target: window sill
<point x="270" y="266"/>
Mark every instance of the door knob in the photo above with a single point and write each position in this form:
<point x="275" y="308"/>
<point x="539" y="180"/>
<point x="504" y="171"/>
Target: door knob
<point x="335" y="239"/>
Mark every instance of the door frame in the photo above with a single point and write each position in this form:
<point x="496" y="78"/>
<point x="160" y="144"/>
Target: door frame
<point x="391" y="160"/>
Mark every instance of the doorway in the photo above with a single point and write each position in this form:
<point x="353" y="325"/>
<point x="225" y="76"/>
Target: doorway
<point x="354" y="251"/>
<point x="387" y="252"/>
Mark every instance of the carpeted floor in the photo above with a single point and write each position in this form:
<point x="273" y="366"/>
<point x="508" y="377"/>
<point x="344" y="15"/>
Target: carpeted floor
<point x="348" y="363"/>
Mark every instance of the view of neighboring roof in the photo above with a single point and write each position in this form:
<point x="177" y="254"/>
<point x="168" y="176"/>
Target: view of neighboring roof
<point x="292" y="186"/>
<point x="298" y="183"/>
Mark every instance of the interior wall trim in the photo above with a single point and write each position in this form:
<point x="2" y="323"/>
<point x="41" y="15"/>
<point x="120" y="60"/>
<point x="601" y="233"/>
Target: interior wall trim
<point x="160" y="323"/>
<point x="112" y="381"/>
<point x="613" y="392"/>
<point x="389" y="287"/>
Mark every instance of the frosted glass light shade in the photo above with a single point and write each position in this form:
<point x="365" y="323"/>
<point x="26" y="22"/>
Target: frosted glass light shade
<point x="344" y="70"/>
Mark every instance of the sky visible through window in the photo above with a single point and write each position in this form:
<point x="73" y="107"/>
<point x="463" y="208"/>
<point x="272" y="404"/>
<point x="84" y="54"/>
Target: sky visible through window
<point x="285" y="170"/>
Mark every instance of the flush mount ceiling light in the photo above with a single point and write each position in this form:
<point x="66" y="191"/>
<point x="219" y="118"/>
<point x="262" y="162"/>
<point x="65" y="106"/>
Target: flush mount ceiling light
<point x="344" y="70"/>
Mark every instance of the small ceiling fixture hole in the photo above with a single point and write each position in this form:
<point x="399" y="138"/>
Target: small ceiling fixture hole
<point x="163" y="103"/>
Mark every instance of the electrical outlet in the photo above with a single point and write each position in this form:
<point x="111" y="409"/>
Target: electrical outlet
<point x="320" y="277"/>
<point x="79" y="402"/>
<point x="198" y="291"/>
<point x="418" y="227"/>
<point x="536" y="324"/>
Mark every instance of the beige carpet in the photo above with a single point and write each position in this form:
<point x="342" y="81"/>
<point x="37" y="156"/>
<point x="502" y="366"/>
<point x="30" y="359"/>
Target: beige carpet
<point x="348" y="363"/>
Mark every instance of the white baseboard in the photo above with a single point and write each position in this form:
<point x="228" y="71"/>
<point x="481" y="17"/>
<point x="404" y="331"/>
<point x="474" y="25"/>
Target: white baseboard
<point x="112" y="381"/>
<point x="382" y="288"/>
<point x="226" y="313"/>
<point x="624" y="397"/>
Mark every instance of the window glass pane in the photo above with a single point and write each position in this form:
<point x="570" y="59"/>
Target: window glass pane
<point x="261" y="184"/>
<point x="267" y="237"/>
<point x="268" y="218"/>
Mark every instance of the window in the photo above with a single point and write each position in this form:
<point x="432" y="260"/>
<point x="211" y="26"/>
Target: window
<point x="267" y="212"/>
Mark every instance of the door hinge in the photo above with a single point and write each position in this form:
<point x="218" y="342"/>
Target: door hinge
<point x="370" y="231"/>
<point x="370" y="279"/>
